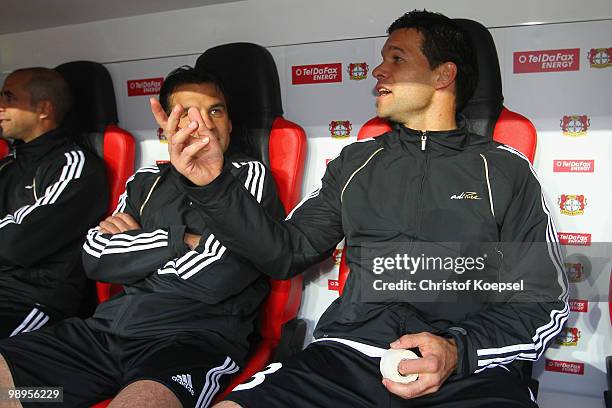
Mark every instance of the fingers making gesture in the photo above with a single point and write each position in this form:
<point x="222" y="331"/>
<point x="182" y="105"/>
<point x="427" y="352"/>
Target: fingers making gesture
<point x="194" y="150"/>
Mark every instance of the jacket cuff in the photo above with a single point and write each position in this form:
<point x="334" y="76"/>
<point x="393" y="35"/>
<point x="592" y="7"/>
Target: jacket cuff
<point x="463" y="369"/>
<point x="176" y="240"/>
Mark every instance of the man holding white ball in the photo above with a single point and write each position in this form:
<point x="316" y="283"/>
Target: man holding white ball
<point x="405" y="185"/>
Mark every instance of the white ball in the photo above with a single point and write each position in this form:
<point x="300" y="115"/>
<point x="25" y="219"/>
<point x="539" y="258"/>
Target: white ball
<point x="389" y="365"/>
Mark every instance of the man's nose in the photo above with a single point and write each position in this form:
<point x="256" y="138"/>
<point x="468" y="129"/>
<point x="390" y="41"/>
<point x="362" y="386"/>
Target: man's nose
<point x="210" y="124"/>
<point x="379" y="72"/>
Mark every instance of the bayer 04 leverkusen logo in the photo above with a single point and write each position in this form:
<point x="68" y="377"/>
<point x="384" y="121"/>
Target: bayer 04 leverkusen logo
<point x="569" y="336"/>
<point x="358" y="71"/>
<point x="337" y="256"/>
<point x="575" y="125"/>
<point x="600" y="57"/>
<point x="340" y="129"/>
<point x="575" y="272"/>
<point x="572" y="204"/>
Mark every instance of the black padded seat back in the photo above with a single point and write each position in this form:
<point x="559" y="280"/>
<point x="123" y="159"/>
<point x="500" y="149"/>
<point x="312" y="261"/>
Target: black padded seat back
<point x="94" y="106"/>
<point x="484" y="107"/>
<point x="250" y="78"/>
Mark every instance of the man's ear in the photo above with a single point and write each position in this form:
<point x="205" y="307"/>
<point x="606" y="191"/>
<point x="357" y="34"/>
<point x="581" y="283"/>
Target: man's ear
<point x="230" y="126"/>
<point x="45" y="110"/>
<point x="446" y="75"/>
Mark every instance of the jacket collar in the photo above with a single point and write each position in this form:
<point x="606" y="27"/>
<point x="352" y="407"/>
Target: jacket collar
<point x="40" y="146"/>
<point x="455" y="139"/>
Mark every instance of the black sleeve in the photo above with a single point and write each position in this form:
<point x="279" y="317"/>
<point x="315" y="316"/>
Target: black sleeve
<point x="132" y="255"/>
<point x="211" y="272"/>
<point x="278" y="249"/>
<point x="521" y="327"/>
<point x="71" y="196"/>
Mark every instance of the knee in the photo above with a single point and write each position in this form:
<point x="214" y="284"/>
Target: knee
<point x="227" y="404"/>
<point x="6" y="379"/>
<point x="145" y="393"/>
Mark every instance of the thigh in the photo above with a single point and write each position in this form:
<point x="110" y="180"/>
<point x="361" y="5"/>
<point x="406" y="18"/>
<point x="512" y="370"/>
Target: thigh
<point x="191" y="367"/>
<point x="332" y="375"/>
<point x="495" y="387"/>
<point x="323" y="375"/>
<point x="67" y="355"/>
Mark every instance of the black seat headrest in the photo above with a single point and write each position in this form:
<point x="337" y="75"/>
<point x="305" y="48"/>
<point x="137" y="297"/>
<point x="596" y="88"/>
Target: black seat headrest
<point x="250" y="78"/>
<point x="484" y="107"/>
<point x="94" y="106"/>
<point x="94" y="96"/>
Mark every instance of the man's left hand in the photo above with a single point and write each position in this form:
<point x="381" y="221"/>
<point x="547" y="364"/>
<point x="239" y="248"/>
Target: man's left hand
<point x="192" y="240"/>
<point x="118" y="223"/>
<point x="437" y="364"/>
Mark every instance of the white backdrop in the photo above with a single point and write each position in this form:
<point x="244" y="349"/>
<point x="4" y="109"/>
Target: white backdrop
<point x="547" y="98"/>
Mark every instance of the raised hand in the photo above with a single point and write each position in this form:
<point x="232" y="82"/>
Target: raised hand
<point x="194" y="150"/>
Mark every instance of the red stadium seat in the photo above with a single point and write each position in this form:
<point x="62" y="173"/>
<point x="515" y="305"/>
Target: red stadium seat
<point x="4" y="148"/>
<point x="517" y="131"/>
<point x="118" y="154"/>
<point x="260" y="131"/>
<point x="95" y="119"/>
<point x="287" y="156"/>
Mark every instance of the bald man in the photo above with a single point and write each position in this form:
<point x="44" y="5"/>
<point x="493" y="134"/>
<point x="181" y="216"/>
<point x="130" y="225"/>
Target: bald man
<point x="51" y="192"/>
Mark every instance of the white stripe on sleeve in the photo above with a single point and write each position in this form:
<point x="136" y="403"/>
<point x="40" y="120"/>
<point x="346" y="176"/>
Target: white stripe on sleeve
<point x="492" y="357"/>
<point x="75" y="160"/>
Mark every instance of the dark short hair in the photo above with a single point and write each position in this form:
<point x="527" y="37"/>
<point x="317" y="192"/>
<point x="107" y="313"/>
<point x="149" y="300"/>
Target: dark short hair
<point x="443" y="41"/>
<point x="46" y="84"/>
<point x="187" y="75"/>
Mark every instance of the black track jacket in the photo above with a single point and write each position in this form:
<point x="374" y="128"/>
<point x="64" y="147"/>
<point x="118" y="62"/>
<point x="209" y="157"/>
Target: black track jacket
<point x="51" y="193"/>
<point x="169" y="288"/>
<point x="399" y="186"/>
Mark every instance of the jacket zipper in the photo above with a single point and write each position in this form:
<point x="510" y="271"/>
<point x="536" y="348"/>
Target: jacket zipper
<point x="420" y="202"/>
<point x="423" y="140"/>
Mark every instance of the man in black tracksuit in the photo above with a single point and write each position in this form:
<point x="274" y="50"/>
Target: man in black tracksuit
<point x="179" y="329"/>
<point x="51" y="193"/>
<point x="427" y="181"/>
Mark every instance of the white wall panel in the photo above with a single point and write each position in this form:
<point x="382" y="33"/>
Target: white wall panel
<point x="267" y="22"/>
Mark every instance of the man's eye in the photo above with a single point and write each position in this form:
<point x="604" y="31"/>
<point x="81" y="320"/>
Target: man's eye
<point x="216" y="113"/>
<point x="395" y="58"/>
